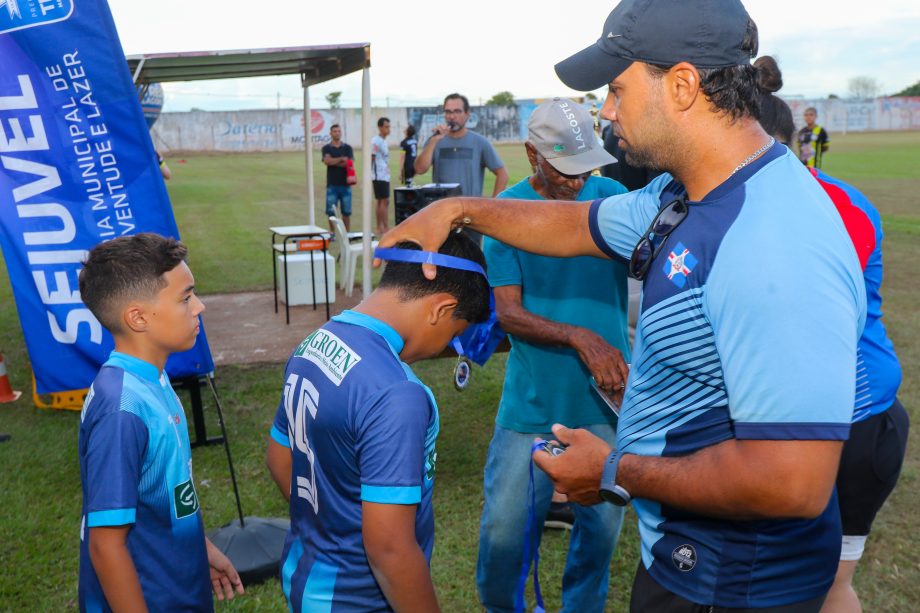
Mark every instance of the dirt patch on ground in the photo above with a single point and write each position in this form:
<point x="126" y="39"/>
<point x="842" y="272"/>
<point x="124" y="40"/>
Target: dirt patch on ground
<point x="244" y="328"/>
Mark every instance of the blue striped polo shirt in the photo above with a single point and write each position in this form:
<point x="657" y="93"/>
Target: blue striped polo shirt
<point x="748" y="328"/>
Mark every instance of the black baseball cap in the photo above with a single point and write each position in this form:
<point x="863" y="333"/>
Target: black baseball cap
<point x="706" y="33"/>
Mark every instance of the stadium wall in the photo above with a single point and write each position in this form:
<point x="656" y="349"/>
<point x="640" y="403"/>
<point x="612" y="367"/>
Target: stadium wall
<point x="282" y="129"/>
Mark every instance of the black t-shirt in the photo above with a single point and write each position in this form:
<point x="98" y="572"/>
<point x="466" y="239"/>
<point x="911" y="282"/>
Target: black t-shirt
<point x="410" y="146"/>
<point x="335" y="175"/>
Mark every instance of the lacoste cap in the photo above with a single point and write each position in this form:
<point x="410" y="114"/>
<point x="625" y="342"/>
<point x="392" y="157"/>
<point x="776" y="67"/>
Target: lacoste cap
<point x="706" y="33"/>
<point x="563" y="132"/>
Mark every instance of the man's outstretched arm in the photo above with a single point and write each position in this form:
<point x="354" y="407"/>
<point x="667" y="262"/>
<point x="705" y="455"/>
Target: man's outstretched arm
<point x="547" y="227"/>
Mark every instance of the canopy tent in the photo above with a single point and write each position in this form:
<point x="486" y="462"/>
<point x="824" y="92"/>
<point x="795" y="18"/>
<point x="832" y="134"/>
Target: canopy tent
<point x="314" y="64"/>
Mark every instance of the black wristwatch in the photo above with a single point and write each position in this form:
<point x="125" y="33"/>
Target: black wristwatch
<point x="610" y="491"/>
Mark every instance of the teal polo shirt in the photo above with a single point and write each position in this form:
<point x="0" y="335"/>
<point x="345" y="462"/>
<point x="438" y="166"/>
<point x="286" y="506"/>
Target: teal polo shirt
<point x="545" y="384"/>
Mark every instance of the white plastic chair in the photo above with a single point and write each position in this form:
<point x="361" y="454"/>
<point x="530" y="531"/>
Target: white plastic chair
<point x="350" y="249"/>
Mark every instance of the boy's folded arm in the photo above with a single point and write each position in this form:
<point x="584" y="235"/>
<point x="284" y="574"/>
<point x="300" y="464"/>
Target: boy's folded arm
<point x="114" y="567"/>
<point x="395" y="557"/>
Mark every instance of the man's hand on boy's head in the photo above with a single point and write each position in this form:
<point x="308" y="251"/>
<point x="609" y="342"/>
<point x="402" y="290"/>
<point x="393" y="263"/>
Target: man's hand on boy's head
<point x="224" y="578"/>
<point x="428" y="228"/>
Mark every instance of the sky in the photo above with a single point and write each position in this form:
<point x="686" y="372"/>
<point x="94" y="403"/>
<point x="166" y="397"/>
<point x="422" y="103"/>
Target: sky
<point x="423" y="50"/>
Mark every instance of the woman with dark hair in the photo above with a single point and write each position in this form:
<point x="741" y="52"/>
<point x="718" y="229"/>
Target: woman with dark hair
<point x="775" y="115"/>
<point x="409" y="146"/>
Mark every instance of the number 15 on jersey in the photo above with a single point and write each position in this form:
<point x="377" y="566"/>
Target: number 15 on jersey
<point x="296" y="404"/>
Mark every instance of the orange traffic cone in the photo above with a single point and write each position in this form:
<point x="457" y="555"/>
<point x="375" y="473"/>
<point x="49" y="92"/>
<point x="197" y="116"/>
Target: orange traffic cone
<point x="7" y="394"/>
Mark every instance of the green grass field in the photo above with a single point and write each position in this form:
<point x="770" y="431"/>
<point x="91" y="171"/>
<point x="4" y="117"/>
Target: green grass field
<point x="224" y="205"/>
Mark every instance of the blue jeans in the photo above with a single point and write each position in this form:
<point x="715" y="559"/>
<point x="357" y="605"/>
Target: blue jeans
<point x="336" y="194"/>
<point x="504" y="518"/>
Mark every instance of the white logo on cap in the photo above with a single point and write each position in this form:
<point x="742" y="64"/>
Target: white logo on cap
<point x="612" y="35"/>
<point x="573" y="123"/>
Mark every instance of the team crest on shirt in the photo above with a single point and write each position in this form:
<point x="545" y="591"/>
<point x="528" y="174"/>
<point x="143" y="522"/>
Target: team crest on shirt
<point x="679" y="265"/>
<point x="684" y="558"/>
<point x="431" y="460"/>
<point x="185" y="499"/>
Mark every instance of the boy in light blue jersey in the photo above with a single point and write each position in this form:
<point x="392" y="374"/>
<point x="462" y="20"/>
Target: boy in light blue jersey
<point x="142" y="542"/>
<point x="353" y="442"/>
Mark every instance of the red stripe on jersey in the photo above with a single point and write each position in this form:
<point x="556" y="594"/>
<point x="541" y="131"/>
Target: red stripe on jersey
<point x="857" y="223"/>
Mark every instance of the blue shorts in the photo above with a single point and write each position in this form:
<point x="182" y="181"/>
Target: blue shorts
<point x="336" y="194"/>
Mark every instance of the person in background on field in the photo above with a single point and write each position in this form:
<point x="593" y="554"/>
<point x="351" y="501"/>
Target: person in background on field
<point x="164" y="168"/>
<point x="380" y="163"/>
<point x="460" y="155"/>
<point x="567" y="321"/>
<point x="352" y="446"/>
<point x="338" y="192"/>
<point x="874" y="453"/>
<point x="142" y="542"/>
<point x="813" y="140"/>
<point x="409" y="147"/>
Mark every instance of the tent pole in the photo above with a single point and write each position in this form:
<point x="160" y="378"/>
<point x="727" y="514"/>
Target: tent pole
<point x="366" y="187"/>
<point x="308" y="150"/>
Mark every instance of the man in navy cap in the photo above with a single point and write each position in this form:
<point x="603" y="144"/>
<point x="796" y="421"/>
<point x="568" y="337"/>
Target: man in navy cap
<point x="744" y="369"/>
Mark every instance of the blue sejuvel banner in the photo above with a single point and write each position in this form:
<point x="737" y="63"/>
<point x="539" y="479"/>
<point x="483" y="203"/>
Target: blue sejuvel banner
<point x="77" y="167"/>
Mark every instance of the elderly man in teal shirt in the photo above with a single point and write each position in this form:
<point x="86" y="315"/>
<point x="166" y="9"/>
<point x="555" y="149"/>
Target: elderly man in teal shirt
<point x="567" y="321"/>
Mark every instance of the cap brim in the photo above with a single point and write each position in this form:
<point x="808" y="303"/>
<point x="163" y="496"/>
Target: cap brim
<point x="583" y="162"/>
<point x="590" y="69"/>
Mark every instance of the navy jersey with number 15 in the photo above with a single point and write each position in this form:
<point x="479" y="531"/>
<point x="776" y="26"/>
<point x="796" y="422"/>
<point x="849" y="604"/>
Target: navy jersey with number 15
<point x="361" y="427"/>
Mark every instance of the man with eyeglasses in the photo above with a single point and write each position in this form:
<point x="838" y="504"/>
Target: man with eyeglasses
<point x="744" y="369"/>
<point x="567" y="321"/>
<point x="460" y="155"/>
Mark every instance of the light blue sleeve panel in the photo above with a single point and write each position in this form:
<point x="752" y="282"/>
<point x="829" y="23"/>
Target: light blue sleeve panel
<point x="279" y="431"/>
<point x="787" y="305"/>
<point x="618" y="222"/>
<point x="115" y="455"/>
<point x="502" y="263"/>
<point x="280" y="437"/>
<point x="391" y="445"/>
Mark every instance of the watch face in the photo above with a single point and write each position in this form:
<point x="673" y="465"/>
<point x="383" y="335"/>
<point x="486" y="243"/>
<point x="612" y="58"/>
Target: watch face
<point x="617" y="496"/>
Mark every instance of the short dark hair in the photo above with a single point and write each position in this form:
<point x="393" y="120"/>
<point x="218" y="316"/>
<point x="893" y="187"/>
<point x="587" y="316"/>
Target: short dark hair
<point x="733" y="91"/>
<point x="812" y="109"/>
<point x="334" y="126"/>
<point x="410" y="130"/>
<point x="470" y="289"/>
<point x="124" y="269"/>
<point x="382" y="121"/>
<point x="456" y="96"/>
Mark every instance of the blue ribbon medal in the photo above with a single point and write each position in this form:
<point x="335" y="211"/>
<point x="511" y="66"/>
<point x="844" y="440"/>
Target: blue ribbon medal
<point x="478" y="342"/>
